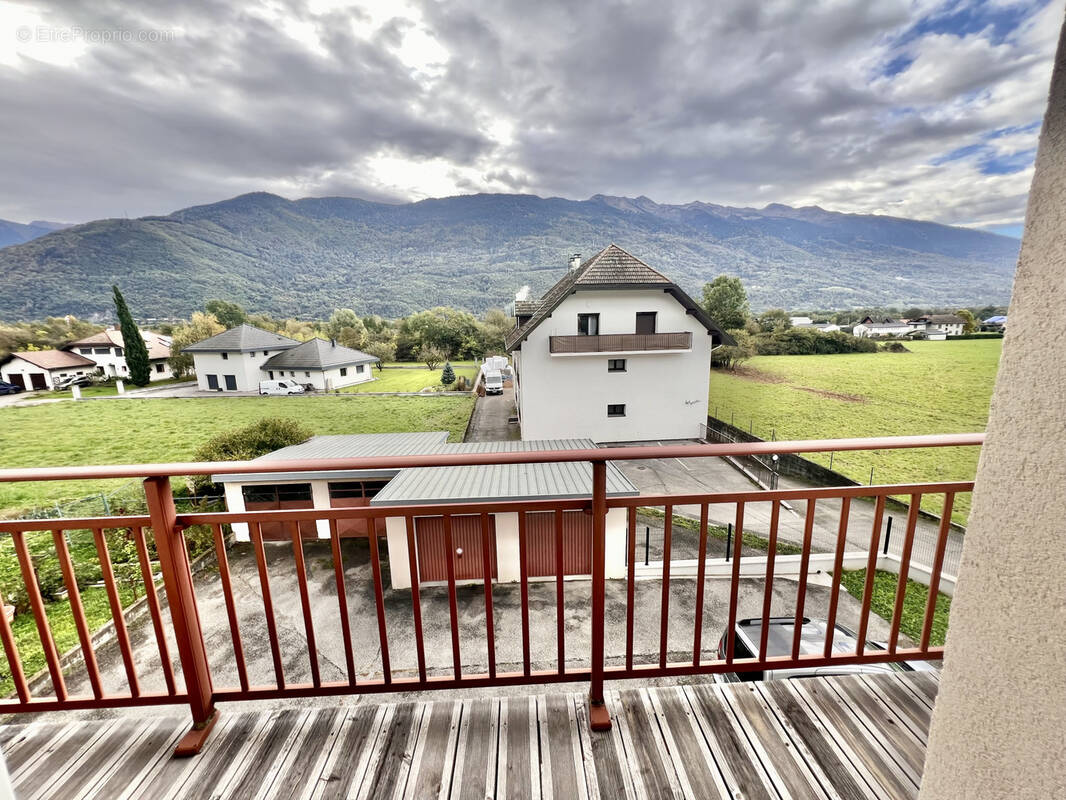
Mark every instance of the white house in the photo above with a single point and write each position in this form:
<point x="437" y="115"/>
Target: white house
<point x="822" y="327"/>
<point x="238" y="359"/>
<point x="872" y="329"/>
<point x="948" y="324"/>
<point x="615" y="351"/>
<point x="108" y="351"/>
<point x="41" y="369"/>
<point x="432" y="486"/>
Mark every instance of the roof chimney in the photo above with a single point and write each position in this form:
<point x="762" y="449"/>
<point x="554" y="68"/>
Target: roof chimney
<point x="575" y="261"/>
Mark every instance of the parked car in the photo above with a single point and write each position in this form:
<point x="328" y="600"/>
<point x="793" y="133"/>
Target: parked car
<point x="280" y="387"/>
<point x="812" y="640"/>
<point x="73" y="380"/>
<point x="494" y="382"/>
<point x="9" y="388"/>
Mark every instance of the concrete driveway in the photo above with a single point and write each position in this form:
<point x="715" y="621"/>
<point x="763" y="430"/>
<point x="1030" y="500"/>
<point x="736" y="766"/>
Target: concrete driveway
<point x="489" y="421"/>
<point x="472" y="616"/>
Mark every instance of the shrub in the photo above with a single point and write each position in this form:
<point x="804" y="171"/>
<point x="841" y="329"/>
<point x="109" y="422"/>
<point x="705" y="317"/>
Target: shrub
<point x="730" y="356"/>
<point x="447" y="376"/>
<point x="807" y="342"/>
<point x="252" y="441"/>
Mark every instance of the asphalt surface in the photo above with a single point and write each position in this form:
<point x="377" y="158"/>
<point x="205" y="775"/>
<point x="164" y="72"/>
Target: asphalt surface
<point x="489" y="421"/>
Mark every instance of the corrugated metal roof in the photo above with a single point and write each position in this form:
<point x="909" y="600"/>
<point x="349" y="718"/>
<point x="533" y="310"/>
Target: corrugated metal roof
<point x="446" y="484"/>
<point x="501" y="481"/>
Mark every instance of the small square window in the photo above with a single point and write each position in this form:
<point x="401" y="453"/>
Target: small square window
<point x="292" y="374"/>
<point x="344" y="372"/>
<point x="225" y="356"/>
<point x="359" y="369"/>
<point x="266" y="352"/>
<point x="616" y="410"/>
<point x="307" y="374"/>
<point x="616" y="365"/>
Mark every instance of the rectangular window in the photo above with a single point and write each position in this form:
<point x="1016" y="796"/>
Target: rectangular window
<point x="225" y="356"/>
<point x="118" y="351"/>
<point x="85" y="351"/>
<point x="266" y="352"/>
<point x="159" y="367"/>
<point x="359" y="369"/>
<point x="292" y="374"/>
<point x="102" y="351"/>
<point x="616" y="410"/>
<point x="645" y="322"/>
<point x="271" y="374"/>
<point x="344" y="372"/>
<point x="588" y="324"/>
<point x="616" y="365"/>
<point x="212" y="382"/>
<point x="231" y="382"/>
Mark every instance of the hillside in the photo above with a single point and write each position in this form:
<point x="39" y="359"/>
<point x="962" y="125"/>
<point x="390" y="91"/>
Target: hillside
<point x="308" y="256"/>
<point x="17" y="232"/>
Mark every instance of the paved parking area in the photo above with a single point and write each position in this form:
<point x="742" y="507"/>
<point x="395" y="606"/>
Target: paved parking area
<point x="489" y="422"/>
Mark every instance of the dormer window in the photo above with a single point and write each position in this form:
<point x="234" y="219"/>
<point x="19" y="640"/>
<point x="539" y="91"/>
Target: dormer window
<point x="588" y="324"/>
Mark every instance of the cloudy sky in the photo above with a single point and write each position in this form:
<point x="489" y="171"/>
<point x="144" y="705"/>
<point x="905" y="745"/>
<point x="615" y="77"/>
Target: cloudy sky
<point x="916" y="108"/>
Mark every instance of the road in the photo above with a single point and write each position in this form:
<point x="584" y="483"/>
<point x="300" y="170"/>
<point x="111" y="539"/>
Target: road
<point x="489" y="422"/>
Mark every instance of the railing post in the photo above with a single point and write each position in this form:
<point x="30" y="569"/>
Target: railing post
<point x="177" y="581"/>
<point x="599" y="718"/>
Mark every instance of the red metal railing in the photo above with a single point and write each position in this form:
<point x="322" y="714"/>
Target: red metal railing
<point x="202" y="683"/>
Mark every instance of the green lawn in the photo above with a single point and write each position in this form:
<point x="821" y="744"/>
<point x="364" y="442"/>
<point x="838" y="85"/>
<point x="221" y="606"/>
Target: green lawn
<point x="406" y="380"/>
<point x="915" y="596"/>
<point x="939" y="387"/>
<point x="161" y="430"/>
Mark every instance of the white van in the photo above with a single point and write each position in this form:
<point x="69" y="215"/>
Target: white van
<point x="280" y="387"/>
<point x="494" y="382"/>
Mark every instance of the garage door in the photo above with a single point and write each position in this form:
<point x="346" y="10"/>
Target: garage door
<point x="38" y="380"/>
<point x="356" y="494"/>
<point x="466" y="551"/>
<point x="540" y="543"/>
<point x="18" y="380"/>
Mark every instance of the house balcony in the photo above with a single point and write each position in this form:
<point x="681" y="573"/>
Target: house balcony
<point x="621" y="343"/>
<point x="219" y="626"/>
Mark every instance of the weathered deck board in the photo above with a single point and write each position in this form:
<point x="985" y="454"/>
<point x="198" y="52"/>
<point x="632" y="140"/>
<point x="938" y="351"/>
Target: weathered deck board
<point x="838" y="738"/>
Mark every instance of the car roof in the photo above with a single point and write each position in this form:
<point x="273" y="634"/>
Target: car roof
<point x="782" y="630"/>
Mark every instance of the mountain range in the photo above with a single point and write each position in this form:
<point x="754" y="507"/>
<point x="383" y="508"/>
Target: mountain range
<point x="305" y="257"/>
<point x="18" y="232"/>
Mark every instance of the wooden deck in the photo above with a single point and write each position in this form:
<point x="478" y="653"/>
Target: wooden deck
<point x="840" y="737"/>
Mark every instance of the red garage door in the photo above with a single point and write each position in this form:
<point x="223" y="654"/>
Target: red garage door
<point x="433" y="555"/>
<point x="541" y="543"/>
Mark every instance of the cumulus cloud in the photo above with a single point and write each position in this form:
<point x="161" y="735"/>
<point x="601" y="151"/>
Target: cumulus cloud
<point x="927" y="109"/>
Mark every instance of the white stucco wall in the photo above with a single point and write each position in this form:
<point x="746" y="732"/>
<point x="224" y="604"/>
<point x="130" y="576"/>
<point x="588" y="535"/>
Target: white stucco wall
<point x="24" y="368"/>
<point x="114" y="365"/>
<point x="244" y="366"/>
<point x="565" y="396"/>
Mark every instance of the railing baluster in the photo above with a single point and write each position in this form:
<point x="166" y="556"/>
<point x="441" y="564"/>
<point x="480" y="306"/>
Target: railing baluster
<point x="231" y="609"/>
<point x="453" y="605"/>
<point x="486" y="567"/>
<point x="416" y="599"/>
<point x="305" y="601"/>
<point x="937" y="567"/>
<point x="152" y="598"/>
<point x="268" y="603"/>
<point x="40" y="617"/>
<point x="734" y="584"/>
<point x="523" y="568"/>
<point x="342" y="597"/>
<point x="768" y="588"/>
<point x="664" y="603"/>
<point x="379" y="602"/>
<point x="117" y="616"/>
<point x="12" y="652"/>
<point x="904" y="570"/>
<point x="560" y="618"/>
<point x="78" y="612"/>
<point x="701" y="578"/>
<point x="838" y="563"/>
<point x="631" y="586"/>
<point x="805" y="563"/>
<point x="599" y="717"/>
<point x="871" y="572"/>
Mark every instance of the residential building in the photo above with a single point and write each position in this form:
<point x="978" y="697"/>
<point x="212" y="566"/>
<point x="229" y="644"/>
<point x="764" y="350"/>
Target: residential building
<point x="948" y="324"/>
<point x="800" y="321"/>
<point x="435" y="486"/>
<point x="238" y="359"/>
<point x="888" y="327"/>
<point x="614" y="351"/>
<point x="824" y="327"/>
<point x="42" y="369"/>
<point x="108" y="351"/>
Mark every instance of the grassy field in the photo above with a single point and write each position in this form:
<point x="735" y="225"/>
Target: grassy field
<point x="406" y="380"/>
<point x="938" y="387"/>
<point x="915" y="597"/>
<point x="159" y="430"/>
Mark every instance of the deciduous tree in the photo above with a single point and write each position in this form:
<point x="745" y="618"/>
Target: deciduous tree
<point x="725" y="300"/>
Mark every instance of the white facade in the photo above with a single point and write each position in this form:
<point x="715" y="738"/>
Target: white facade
<point x="30" y="376"/>
<point x="874" y="330"/>
<point x="664" y="393"/>
<point x="231" y="372"/>
<point x="111" y="362"/>
<point x="323" y="380"/>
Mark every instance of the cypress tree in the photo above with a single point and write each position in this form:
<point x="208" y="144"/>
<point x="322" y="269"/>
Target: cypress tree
<point x="136" y="351"/>
<point x="447" y="377"/>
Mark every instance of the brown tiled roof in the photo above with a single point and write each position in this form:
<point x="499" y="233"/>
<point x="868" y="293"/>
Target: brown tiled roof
<point x="611" y="268"/>
<point x="158" y="345"/>
<point x="525" y="308"/>
<point x="53" y="359"/>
